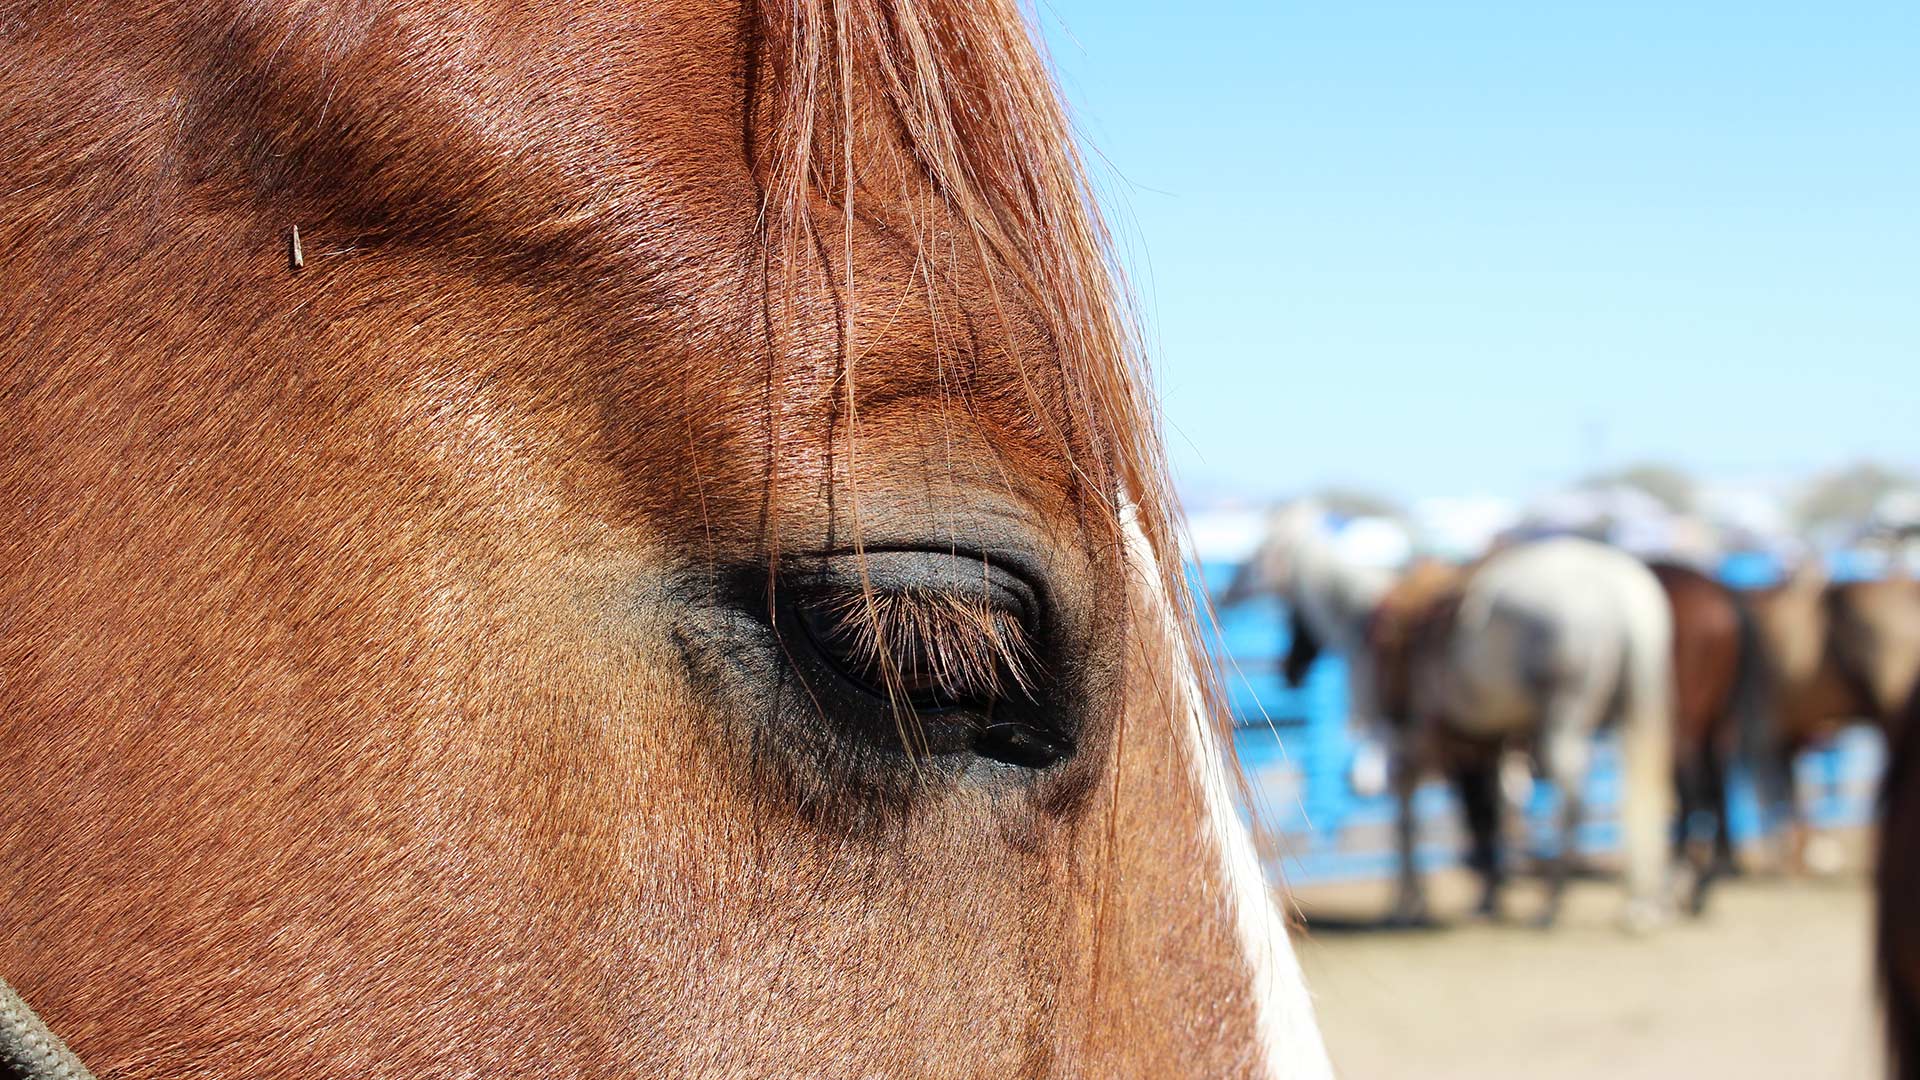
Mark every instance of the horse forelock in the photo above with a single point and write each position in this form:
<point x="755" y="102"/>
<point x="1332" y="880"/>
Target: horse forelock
<point x="974" y="109"/>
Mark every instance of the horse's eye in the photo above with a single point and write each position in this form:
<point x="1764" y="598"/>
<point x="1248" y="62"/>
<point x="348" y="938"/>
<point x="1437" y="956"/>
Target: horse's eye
<point x="925" y="648"/>
<point x="943" y="653"/>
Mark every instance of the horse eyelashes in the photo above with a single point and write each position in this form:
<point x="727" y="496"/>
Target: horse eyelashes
<point x="934" y="649"/>
<point x="944" y="656"/>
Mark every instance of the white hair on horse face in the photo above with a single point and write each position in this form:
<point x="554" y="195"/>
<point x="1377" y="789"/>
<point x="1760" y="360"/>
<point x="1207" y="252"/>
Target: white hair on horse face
<point x="1290" y="1042"/>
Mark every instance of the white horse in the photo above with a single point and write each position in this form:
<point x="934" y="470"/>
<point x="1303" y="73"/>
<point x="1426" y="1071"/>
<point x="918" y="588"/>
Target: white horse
<point x="1331" y="602"/>
<point x="1552" y="641"/>
<point x="1330" y="597"/>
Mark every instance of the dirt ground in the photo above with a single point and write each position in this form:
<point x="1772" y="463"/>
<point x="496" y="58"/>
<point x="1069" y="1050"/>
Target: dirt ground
<point x="1773" y="982"/>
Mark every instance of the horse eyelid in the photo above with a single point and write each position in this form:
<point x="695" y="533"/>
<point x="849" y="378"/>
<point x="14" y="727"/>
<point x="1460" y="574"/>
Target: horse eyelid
<point x="965" y="647"/>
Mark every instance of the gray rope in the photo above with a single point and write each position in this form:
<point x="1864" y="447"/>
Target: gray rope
<point x="28" y="1051"/>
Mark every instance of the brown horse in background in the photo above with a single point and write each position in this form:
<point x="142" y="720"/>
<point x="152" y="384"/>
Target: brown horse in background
<point x="606" y="539"/>
<point x="1716" y="674"/>
<point x="1835" y="655"/>
<point x="1897" y="929"/>
<point x="1413" y="616"/>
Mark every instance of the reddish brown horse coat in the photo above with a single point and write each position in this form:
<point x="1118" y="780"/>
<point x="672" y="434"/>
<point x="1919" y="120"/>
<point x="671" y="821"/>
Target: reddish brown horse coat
<point x="1711" y="653"/>
<point x="1898" y="880"/>
<point x="393" y="680"/>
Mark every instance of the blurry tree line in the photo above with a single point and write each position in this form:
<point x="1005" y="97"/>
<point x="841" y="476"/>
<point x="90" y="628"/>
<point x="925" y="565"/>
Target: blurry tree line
<point x="1843" y="496"/>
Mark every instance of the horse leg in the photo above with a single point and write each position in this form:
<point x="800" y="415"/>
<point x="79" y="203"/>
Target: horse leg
<point x="1714" y="789"/>
<point x="1725" y="864"/>
<point x="1780" y="808"/>
<point x="1646" y="773"/>
<point x="1705" y="789"/>
<point x="1566" y="744"/>
<point x="1689" y="784"/>
<point x="1797" y="833"/>
<point x="1410" y="894"/>
<point x="1685" y="783"/>
<point x="1476" y="784"/>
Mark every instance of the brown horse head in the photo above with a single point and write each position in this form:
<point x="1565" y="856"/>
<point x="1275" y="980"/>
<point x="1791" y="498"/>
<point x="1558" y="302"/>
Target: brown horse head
<point x="672" y="576"/>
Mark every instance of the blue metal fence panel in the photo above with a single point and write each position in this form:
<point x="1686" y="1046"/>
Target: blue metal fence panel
<point x="1298" y="752"/>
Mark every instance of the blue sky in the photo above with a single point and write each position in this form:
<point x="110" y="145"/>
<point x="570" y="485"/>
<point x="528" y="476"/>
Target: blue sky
<point x="1432" y="248"/>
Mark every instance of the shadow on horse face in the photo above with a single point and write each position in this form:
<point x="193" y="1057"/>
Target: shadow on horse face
<point x="679" y="579"/>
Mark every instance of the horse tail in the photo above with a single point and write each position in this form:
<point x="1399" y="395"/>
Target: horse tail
<point x="1755" y="711"/>
<point x="1646" y="743"/>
